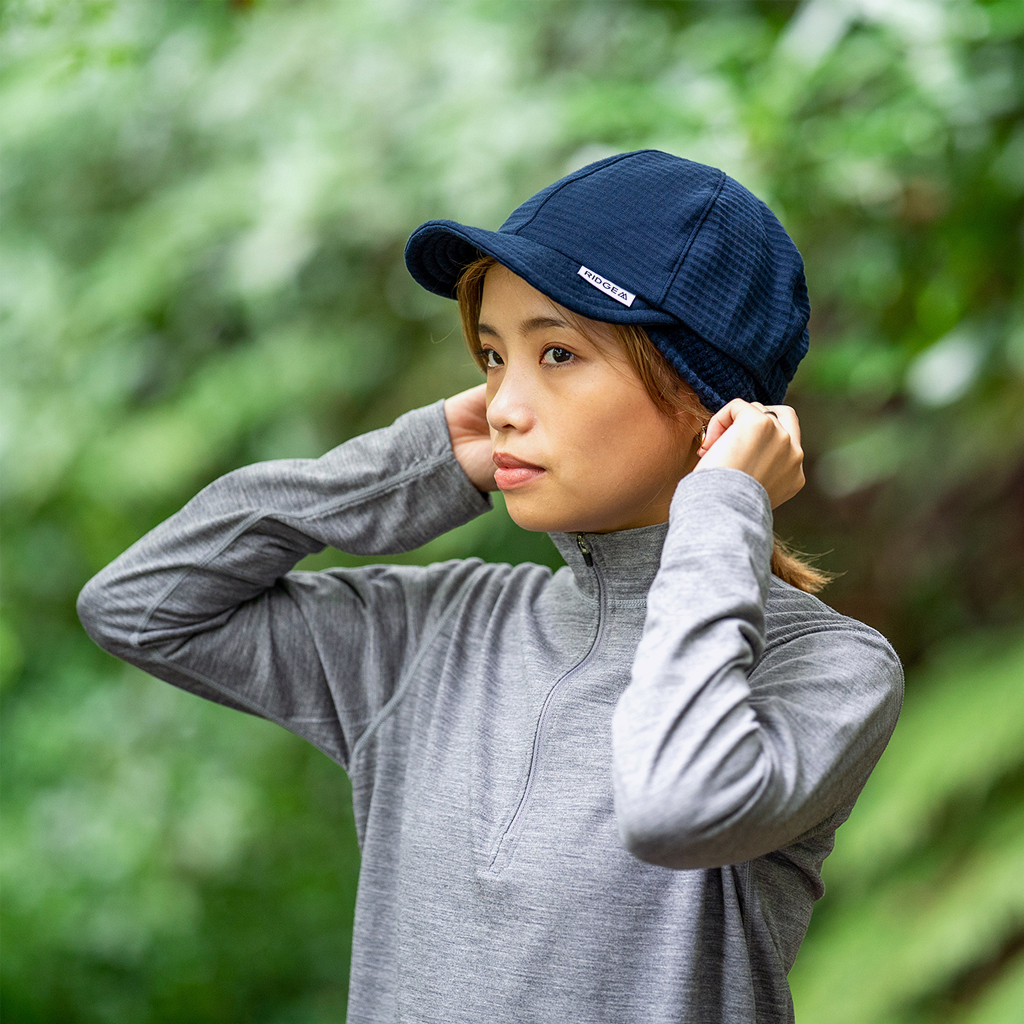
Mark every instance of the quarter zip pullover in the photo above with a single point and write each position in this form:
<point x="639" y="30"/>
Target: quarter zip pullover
<point x="597" y="794"/>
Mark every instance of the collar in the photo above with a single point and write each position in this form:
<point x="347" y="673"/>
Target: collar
<point x="626" y="560"/>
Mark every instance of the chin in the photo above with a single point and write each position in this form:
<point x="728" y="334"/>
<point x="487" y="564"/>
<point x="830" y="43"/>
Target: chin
<point x="535" y="520"/>
<point x="539" y="516"/>
<point x="572" y="515"/>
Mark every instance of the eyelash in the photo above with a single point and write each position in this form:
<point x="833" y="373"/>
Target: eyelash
<point x="484" y="353"/>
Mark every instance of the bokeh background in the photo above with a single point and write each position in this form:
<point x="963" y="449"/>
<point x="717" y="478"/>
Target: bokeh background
<point x="204" y="210"/>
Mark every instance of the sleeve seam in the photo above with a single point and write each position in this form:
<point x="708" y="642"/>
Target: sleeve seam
<point x="261" y="514"/>
<point x="238" y="698"/>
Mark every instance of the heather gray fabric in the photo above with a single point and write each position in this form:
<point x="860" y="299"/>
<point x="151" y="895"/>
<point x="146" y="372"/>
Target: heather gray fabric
<point x="579" y="796"/>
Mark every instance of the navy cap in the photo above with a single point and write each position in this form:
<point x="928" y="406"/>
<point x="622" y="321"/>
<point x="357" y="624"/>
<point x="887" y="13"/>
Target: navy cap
<point x="651" y="239"/>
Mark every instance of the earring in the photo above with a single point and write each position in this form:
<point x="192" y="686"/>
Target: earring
<point x="703" y="433"/>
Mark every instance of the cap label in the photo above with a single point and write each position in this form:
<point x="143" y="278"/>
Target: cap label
<point x="604" y="285"/>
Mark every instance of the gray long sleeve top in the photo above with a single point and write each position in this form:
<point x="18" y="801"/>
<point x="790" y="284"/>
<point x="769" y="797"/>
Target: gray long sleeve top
<point x="599" y="794"/>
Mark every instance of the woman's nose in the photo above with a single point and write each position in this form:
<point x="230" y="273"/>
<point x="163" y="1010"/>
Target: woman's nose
<point x="511" y="407"/>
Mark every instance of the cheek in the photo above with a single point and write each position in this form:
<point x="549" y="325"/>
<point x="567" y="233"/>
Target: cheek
<point x="655" y="450"/>
<point x="628" y="430"/>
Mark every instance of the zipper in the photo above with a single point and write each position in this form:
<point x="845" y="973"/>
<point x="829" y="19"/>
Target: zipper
<point x="507" y="843"/>
<point x="585" y="551"/>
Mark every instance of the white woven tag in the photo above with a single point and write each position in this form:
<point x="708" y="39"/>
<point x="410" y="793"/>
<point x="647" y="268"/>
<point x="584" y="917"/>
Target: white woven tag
<point x="604" y="285"/>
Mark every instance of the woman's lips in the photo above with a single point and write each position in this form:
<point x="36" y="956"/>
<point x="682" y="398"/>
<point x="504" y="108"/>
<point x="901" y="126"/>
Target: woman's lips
<point x="513" y="472"/>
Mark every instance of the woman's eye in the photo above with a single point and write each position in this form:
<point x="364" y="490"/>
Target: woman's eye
<point x="491" y="358"/>
<point x="557" y="355"/>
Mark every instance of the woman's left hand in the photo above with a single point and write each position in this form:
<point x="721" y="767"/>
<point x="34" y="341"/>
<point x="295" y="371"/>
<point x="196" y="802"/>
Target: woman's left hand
<point x="762" y="440"/>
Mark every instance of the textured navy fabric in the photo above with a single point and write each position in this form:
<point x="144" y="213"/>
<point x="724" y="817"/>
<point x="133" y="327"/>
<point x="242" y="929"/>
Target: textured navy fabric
<point x="719" y="285"/>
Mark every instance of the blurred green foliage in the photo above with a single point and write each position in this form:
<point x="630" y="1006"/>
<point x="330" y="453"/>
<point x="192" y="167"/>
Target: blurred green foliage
<point x="205" y="206"/>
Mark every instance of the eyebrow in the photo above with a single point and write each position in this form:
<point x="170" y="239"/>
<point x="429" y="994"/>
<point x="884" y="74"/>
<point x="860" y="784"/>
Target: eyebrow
<point x="536" y="323"/>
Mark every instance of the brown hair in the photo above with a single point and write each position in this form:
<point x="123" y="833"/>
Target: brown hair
<point x="666" y="388"/>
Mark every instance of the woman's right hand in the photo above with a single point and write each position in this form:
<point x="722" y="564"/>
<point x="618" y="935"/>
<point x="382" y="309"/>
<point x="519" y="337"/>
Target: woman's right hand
<point x="466" y="413"/>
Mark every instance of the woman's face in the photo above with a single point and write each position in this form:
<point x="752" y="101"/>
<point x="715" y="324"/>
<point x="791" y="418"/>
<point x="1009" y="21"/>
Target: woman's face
<point x="600" y="454"/>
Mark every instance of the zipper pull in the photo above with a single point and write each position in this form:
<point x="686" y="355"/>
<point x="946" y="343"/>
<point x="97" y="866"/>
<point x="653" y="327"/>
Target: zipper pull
<point x="584" y="550"/>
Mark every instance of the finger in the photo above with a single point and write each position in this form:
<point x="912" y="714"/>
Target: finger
<point x="721" y="421"/>
<point x="767" y="410"/>
<point x="787" y="418"/>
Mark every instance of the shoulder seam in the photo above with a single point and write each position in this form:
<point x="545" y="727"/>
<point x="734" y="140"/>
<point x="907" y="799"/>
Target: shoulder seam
<point x="405" y="683"/>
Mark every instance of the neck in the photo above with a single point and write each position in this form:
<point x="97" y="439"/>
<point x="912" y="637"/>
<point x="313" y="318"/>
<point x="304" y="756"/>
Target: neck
<point x="622" y="563"/>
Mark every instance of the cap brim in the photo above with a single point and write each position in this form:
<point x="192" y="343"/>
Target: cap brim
<point x="438" y="251"/>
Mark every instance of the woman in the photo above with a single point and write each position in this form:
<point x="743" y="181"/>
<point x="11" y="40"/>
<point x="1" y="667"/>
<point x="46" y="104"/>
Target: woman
<point x="599" y="794"/>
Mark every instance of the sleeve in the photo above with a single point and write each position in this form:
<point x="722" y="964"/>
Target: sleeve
<point x="727" y="746"/>
<point x="206" y="600"/>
